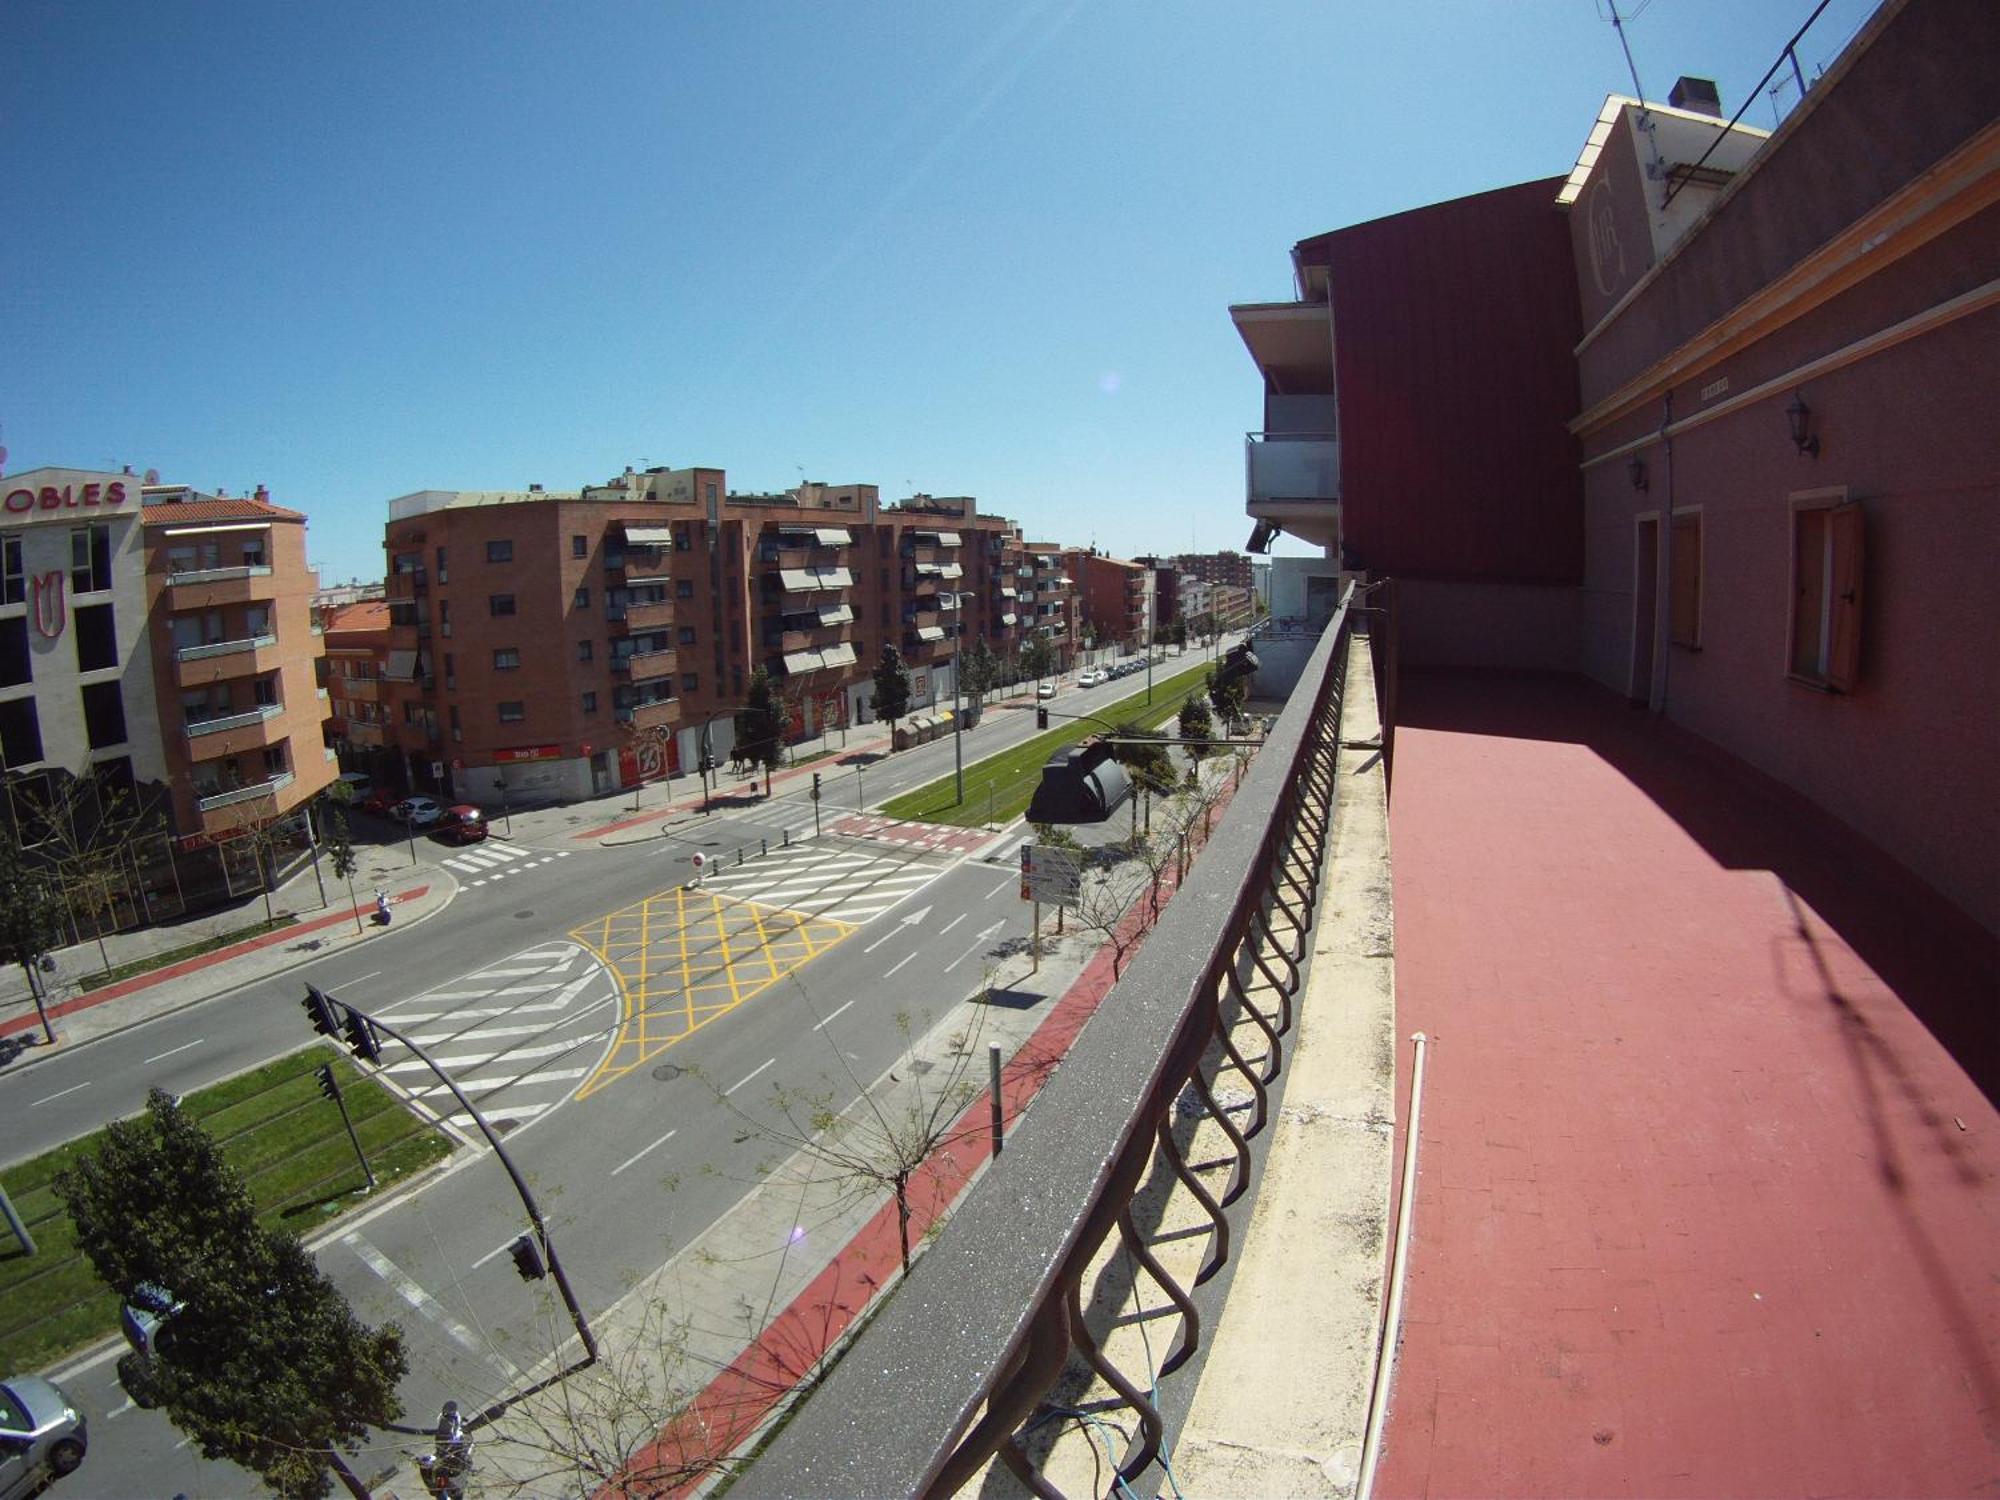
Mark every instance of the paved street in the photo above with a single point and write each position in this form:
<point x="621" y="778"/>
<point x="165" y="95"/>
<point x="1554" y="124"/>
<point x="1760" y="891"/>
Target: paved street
<point x="605" y="991"/>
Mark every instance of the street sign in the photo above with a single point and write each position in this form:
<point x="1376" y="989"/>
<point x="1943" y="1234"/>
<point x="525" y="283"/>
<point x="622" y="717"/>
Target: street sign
<point x="1051" y="875"/>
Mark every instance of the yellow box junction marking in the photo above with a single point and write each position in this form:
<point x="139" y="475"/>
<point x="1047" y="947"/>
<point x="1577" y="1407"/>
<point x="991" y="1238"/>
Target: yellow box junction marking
<point x="683" y="957"/>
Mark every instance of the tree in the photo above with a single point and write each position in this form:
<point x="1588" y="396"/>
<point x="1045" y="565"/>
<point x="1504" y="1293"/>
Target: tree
<point x="263" y="1364"/>
<point x="760" y="727"/>
<point x="1197" y="727"/>
<point x="31" y="920"/>
<point x="83" y="829"/>
<point x="1227" y="697"/>
<point x="1146" y="759"/>
<point x="1180" y="632"/>
<point x="340" y="843"/>
<point x="892" y="688"/>
<point x="1038" y="658"/>
<point x="978" y="671"/>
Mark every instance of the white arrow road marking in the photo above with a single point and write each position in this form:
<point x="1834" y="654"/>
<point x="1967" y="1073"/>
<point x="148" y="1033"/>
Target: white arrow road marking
<point x="916" y="917"/>
<point x="406" y="1287"/>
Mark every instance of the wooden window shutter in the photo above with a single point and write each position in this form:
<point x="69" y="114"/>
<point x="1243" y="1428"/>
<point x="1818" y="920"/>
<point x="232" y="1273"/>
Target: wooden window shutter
<point x="1843" y="654"/>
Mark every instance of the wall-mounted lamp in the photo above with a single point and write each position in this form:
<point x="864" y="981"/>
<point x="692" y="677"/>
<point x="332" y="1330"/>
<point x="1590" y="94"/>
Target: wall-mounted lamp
<point x="1800" y="416"/>
<point x="1636" y="468"/>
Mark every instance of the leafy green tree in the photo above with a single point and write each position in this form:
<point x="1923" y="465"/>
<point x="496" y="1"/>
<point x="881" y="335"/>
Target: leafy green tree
<point x="1038" y="658"/>
<point x="978" y="671"/>
<point x="1180" y="630"/>
<point x="1197" y="727"/>
<point x="340" y="850"/>
<point x="760" y="727"/>
<point x="1227" y="698"/>
<point x="892" y="688"/>
<point x="31" y="919"/>
<point x="263" y="1364"/>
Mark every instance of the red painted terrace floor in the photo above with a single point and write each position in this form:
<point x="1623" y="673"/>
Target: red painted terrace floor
<point x="1706" y="1203"/>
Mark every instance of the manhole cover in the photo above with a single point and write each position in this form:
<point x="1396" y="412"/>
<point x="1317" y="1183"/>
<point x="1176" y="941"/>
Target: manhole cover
<point x="522" y="915"/>
<point x="667" y="1072"/>
<point x="503" y="1126"/>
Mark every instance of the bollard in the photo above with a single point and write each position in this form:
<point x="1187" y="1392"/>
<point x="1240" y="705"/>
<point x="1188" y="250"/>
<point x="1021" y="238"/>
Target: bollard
<point x="785" y="837"/>
<point x="739" y="854"/>
<point x="763" y="847"/>
<point x="993" y="1078"/>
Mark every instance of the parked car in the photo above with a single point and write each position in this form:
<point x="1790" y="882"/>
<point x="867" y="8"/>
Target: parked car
<point x="463" y="824"/>
<point x="1045" y="690"/>
<point x="359" y="785"/>
<point x="42" y="1435"/>
<point x="418" y="812"/>
<point x="380" y="801"/>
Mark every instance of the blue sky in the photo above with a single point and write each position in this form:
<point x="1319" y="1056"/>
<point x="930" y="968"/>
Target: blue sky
<point x="355" y="250"/>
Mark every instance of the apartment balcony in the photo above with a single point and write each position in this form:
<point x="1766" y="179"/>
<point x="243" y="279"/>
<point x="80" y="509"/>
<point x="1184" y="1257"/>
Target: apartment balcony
<point x="196" y="666"/>
<point x="1293" y="483"/>
<point x="837" y="657"/>
<point x="241" y="794"/>
<point x="359" y="689"/>
<point x="641" y="563"/>
<point x="813" y="638"/>
<point x="811" y="580"/>
<point x="259" y="722"/>
<point x="665" y="714"/>
<point x="647" y="616"/>
<point x="646" y="666"/>
<point x="359" y="733"/>
<point x="218" y="588"/>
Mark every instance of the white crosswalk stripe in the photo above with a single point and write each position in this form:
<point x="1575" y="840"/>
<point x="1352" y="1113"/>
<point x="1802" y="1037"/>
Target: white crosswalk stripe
<point x="825" y="881"/>
<point x="490" y="861"/>
<point x="517" y="1036"/>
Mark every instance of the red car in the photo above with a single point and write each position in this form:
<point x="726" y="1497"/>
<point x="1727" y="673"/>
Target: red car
<point x="463" y="824"/>
<point x="379" y="801"/>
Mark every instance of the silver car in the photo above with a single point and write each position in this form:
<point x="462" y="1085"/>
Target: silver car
<point x="42" y="1435"/>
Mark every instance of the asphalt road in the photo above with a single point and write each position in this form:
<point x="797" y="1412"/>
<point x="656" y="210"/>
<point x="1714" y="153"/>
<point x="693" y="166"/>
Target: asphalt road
<point x="608" y="1081"/>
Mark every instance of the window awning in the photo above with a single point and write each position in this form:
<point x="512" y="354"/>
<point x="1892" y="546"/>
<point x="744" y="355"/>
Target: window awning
<point x="930" y="570"/>
<point x="839" y="655"/>
<point x="832" y="536"/>
<point x="805" y="580"/>
<point x="948" y="539"/>
<point x="402" y="666"/>
<point x="951" y="570"/>
<point x="1008" y="619"/>
<point x="802" y="661"/>
<point x="1008" y="591"/>
<point x="649" y="536"/>
<point x="930" y="632"/>
<point x="836" y="614"/>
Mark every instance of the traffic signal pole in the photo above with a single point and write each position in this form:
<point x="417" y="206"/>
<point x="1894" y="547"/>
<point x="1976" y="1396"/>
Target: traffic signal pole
<point x="514" y="1172"/>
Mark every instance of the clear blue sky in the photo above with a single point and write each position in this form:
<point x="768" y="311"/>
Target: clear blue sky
<point x="352" y="250"/>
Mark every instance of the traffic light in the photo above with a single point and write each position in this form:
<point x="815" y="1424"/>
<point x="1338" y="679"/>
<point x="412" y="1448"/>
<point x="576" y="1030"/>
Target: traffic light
<point x="329" y="1089"/>
<point x="361" y="1037"/>
<point x="1041" y="718"/>
<point x="319" y="1010"/>
<point x="815" y="786"/>
<point x="528" y="1258"/>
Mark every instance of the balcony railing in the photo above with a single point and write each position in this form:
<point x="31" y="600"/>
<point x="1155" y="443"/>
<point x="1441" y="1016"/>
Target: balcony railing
<point x="224" y="648"/>
<point x="1292" y="466"/>
<point x="955" y="1367"/>
<point x="245" y="793"/>
<point x="216" y="575"/>
<point x="198" y="727"/>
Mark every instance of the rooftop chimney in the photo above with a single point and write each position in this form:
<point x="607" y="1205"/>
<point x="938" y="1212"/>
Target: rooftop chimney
<point x="262" y="494"/>
<point x="1696" y="95"/>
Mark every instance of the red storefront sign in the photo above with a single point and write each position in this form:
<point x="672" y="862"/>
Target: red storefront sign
<point x="527" y="752"/>
<point x="69" y="497"/>
<point x="649" y="760"/>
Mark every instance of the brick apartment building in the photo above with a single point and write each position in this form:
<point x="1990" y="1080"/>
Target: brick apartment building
<point x="160" y="641"/>
<point x="356" y="637"/>
<point x="1232" y="568"/>
<point x="1115" y="598"/>
<point x="548" y="646"/>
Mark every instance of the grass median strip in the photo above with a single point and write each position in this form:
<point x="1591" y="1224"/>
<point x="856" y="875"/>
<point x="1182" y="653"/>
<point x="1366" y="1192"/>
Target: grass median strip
<point x="154" y="961"/>
<point x="274" y="1127"/>
<point x="1000" y="787"/>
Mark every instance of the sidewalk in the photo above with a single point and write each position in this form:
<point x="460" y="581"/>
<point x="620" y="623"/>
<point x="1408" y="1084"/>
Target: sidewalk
<point x="415" y="893"/>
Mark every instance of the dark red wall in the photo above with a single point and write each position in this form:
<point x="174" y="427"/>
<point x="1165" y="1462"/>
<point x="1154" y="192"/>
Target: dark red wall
<point x="1453" y="331"/>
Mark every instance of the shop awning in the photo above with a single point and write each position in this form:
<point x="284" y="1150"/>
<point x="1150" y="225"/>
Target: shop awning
<point x="649" y="536"/>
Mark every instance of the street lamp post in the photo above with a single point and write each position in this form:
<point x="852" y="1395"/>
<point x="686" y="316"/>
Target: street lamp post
<point x="957" y="700"/>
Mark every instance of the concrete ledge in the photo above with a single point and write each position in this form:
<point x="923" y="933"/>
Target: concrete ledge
<point x="1307" y="1298"/>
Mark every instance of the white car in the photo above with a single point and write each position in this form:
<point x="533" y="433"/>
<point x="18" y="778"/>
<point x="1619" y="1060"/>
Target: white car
<point x="1045" y="690"/>
<point x="419" y="812"/>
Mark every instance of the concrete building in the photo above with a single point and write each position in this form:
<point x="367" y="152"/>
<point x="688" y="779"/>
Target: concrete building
<point x="1217" y="567"/>
<point x="160" y="641"/>
<point x="1114" y="596"/>
<point x="1714" y="430"/>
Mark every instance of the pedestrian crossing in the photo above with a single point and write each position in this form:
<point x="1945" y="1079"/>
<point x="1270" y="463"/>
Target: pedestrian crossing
<point x="518" y="1037"/>
<point x="926" y="836"/>
<point x="490" y="861"/>
<point x="825" y="879"/>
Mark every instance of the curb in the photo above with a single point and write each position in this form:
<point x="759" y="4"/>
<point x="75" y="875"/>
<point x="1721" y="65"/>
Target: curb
<point x="25" y="1063"/>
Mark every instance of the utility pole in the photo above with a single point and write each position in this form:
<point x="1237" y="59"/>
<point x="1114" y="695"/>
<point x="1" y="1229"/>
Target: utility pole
<point x="957" y="700"/>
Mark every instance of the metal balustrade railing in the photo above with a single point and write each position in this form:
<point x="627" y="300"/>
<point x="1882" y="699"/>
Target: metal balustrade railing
<point x="968" y="1357"/>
